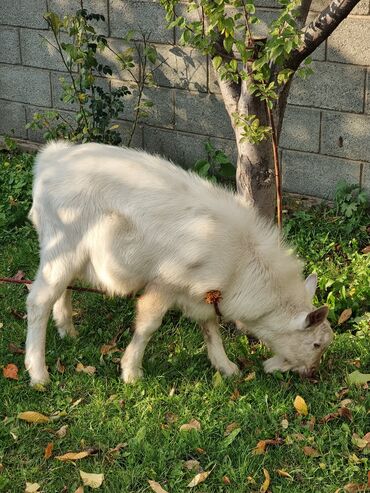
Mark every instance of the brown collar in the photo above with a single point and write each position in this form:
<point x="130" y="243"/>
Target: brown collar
<point x="213" y="298"/>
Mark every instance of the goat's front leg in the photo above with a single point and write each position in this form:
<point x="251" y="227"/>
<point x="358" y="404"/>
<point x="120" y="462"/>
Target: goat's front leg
<point x="216" y="351"/>
<point x="150" y="310"/>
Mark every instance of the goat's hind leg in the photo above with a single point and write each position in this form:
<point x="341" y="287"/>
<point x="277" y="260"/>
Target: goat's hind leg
<point x="62" y="314"/>
<point x="45" y="291"/>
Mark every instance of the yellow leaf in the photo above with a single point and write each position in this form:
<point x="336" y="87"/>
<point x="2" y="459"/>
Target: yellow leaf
<point x="300" y="406"/>
<point x="192" y="465"/>
<point x="33" y="417"/>
<point x="32" y="488"/>
<point x="90" y="370"/>
<point x="284" y="423"/>
<point x="91" y="479"/>
<point x="73" y="455"/>
<point x="156" y="487"/>
<point x="250" y="376"/>
<point x="266" y="483"/>
<point x="80" y="489"/>
<point x="192" y="425"/>
<point x="199" y="478"/>
<point x="283" y="474"/>
<point x="344" y="316"/>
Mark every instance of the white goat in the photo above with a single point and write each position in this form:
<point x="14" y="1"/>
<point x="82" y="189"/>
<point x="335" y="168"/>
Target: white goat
<point x="125" y="221"/>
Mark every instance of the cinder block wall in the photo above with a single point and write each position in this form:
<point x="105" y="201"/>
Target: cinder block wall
<point x="326" y="135"/>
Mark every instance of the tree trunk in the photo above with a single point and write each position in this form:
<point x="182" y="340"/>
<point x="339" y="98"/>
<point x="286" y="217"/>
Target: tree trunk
<point x="254" y="176"/>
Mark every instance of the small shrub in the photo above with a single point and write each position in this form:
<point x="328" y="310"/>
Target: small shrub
<point x="216" y="167"/>
<point x="79" y="47"/>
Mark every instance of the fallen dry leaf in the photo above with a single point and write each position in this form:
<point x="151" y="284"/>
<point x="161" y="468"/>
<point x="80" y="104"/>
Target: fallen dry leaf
<point x="200" y="451"/>
<point x="284" y="423"/>
<point x="76" y="455"/>
<point x="366" y="250"/>
<point x="80" y="368"/>
<point x="342" y="392"/>
<point x="192" y="465"/>
<point x="48" y="450"/>
<point x="226" y="480"/>
<point x="235" y="395"/>
<point x="156" y="487"/>
<point x="343" y="412"/>
<point x="199" y="478"/>
<point x="345" y="402"/>
<point x="32" y="488"/>
<point x="60" y="367"/>
<point x="266" y="483"/>
<point x="363" y="442"/>
<point x="61" y="433"/>
<point x="311" y="452"/>
<point x="171" y="418"/>
<point x="251" y="376"/>
<point x="10" y="371"/>
<point x="344" y="316"/>
<point x="19" y="276"/>
<point x="17" y="314"/>
<point x="91" y="479"/>
<point x="355" y="488"/>
<point x="15" y="349"/>
<point x="80" y="489"/>
<point x="262" y="444"/>
<point x="230" y="427"/>
<point x="300" y="405"/>
<point x="283" y="474"/>
<point x="76" y="403"/>
<point x="33" y="417"/>
<point x="118" y="447"/>
<point x="192" y="425"/>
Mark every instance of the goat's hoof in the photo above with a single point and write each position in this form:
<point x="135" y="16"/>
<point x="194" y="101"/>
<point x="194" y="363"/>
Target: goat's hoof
<point x="40" y="380"/>
<point x="131" y="375"/>
<point x="67" y="331"/>
<point x="230" y="370"/>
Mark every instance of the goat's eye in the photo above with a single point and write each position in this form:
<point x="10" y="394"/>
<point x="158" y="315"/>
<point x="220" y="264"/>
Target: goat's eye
<point x="316" y="345"/>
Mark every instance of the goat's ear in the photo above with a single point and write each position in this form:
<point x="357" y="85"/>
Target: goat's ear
<point x="311" y="285"/>
<point x="317" y="316"/>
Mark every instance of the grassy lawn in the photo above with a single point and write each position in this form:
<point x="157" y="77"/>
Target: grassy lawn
<point x="179" y="385"/>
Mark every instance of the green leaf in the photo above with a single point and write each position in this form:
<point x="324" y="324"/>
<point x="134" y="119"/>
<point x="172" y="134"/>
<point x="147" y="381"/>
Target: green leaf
<point x="228" y="43"/>
<point x="217" y="381"/>
<point x="230" y="438"/>
<point x="358" y="378"/>
<point x="217" y="61"/>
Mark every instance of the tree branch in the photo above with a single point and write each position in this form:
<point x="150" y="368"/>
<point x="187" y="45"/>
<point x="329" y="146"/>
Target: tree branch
<point x="320" y="29"/>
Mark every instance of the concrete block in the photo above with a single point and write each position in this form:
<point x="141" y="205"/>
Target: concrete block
<point x="367" y="96"/>
<point x="13" y="119"/>
<point x="161" y="114"/>
<point x="202" y="113"/>
<point x="9" y="43"/>
<point x="25" y="84"/>
<point x="350" y="42"/>
<point x="148" y="15"/>
<point x="317" y="175"/>
<point x="332" y="86"/>
<point x="125" y="130"/>
<point x="301" y="129"/>
<point x="365" y="182"/>
<point x="69" y="7"/>
<point x="362" y="8"/>
<point x="37" y="51"/>
<point x="25" y="13"/>
<point x="181" y="67"/>
<point x="182" y="148"/>
<point x="346" y="135"/>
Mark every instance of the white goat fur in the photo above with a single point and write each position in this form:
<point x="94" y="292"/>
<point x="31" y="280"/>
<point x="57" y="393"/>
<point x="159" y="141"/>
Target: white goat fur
<point x="125" y="220"/>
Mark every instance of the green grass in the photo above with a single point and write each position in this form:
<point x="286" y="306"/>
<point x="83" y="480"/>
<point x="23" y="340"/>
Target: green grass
<point x="110" y="412"/>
